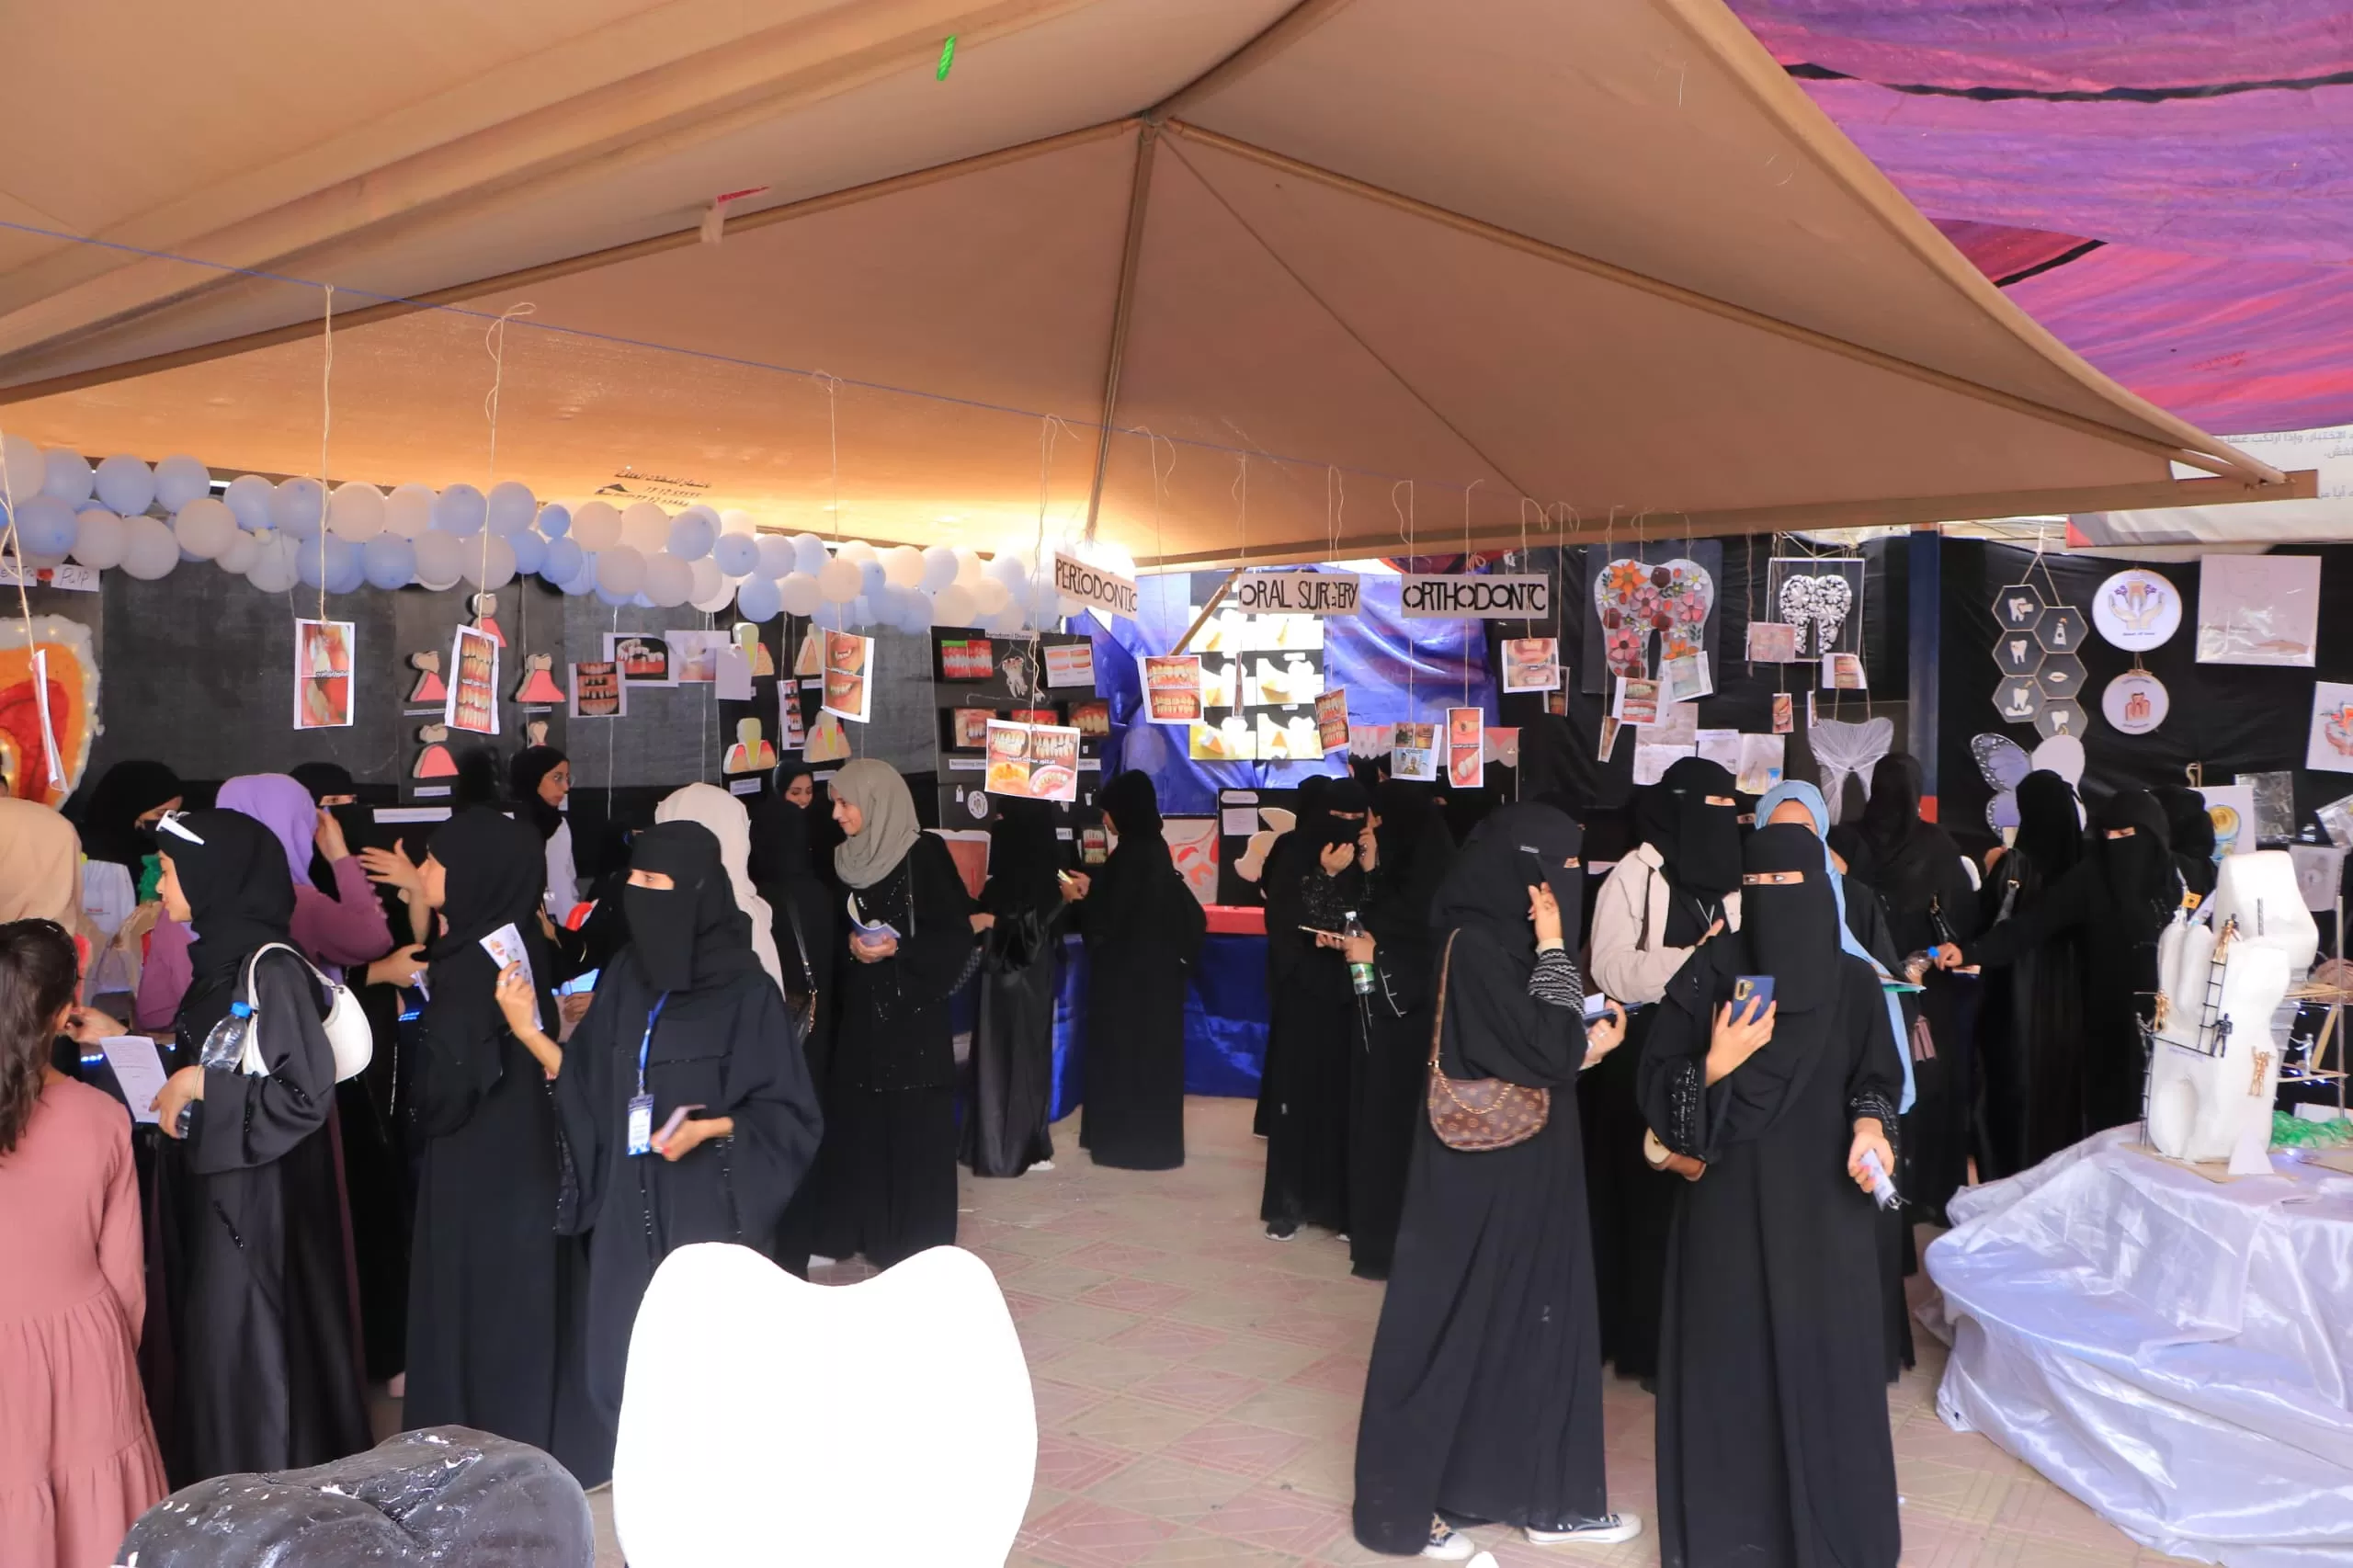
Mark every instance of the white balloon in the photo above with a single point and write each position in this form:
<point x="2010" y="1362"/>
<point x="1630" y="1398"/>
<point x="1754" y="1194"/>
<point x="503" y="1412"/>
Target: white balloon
<point x="669" y="582"/>
<point x="620" y="571"/>
<point x="125" y="484"/>
<point x="840" y="580"/>
<point x="1010" y="570"/>
<point x="489" y="562"/>
<point x="856" y="549"/>
<point x="969" y="567"/>
<point x="408" y="510"/>
<point x="801" y="593"/>
<point x="180" y="479"/>
<point x="249" y="496"/>
<point x="298" y="506"/>
<point x="440" y="558"/>
<point x="693" y="532"/>
<point x="708" y="580"/>
<point x="459" y="510"/>
<point x="776" y="555"/>
<point x="206" y="528"/>
<point x="510" y="507"/>
<point x="808" y="553"/>
<point x="357" y="512"/>
<point x="149" y="550"/>
<point x="735" y="520"/>
<point x="954" y="606"/>
<point x="278" y="567"/>
<point x="645" y="527"/>
<point x="99" y="538"/>
<point x="598" y="526"/>
<point x="239" y="558"/>
<point x="903" y="566"/>
<point x="990" y="597"/>
<point x="66" y="475"/>
<point x="939" y="567"/>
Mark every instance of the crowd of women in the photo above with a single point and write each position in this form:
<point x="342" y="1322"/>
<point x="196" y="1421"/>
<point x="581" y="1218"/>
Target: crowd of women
<point x="434" y="1112"/>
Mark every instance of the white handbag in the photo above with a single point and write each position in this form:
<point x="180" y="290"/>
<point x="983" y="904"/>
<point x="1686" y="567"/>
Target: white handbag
<point x="348" y="1034"/>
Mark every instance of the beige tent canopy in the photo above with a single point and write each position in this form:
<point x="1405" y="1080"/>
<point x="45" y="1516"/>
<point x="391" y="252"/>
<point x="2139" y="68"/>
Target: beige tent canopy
<point x="1225" y="278"/>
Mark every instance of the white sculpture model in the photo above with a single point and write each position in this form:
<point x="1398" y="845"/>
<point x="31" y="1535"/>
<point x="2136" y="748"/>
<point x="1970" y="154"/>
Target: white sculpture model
<point x="892" y="1418"/>
<point x="2221" y="974"/>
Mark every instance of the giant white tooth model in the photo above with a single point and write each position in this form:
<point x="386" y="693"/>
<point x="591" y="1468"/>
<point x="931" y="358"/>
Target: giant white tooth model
<point x="2214" y="1066"/>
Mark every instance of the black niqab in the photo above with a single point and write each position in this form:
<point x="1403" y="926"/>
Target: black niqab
<point x="1024" y="856"/>
<point x="691" y="936"/>
<point x="1698" y="843"/>
<point x="2138" y="867"/>
<point x="531" y="764"/>
<point x="496" y="872"/>
<point x="1486" y="889"/>
<point x="1791" y="929"/>
<point x="240" y="897"/>
<point x="2051" y="830"/>
<point x="110" y="829"/>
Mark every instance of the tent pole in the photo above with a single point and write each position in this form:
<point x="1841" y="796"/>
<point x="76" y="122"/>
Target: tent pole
<point x="1122" y="309"/>
<point x="1927" y="547"/>
<point x="1208" y="610"/>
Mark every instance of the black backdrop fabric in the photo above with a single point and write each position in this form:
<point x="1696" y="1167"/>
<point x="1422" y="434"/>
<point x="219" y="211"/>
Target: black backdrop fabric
<point x="2232" y="718"/>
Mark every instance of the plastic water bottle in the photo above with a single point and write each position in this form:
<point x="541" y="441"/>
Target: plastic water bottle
<point x="1360" y="974"/>
<point x="224" y="1047"/>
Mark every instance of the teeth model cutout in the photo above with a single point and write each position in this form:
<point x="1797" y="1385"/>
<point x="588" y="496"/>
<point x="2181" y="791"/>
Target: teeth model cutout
<point x="1638" y="599"/>
<point x="1822" y="603"/>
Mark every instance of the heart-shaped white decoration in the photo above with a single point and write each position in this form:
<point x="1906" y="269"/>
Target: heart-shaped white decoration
<point x="1823" y="603"/>
<point x="1638" y="598"/>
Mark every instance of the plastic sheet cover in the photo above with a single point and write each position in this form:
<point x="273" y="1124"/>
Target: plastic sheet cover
<point x="2171" y="1351"/>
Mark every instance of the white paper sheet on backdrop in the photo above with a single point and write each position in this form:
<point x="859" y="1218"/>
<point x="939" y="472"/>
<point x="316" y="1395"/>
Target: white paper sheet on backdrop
<point x="1651" y="762"/>
<point x="2232" y="806"/>
<point x="2171" y="1351"/>
<point x="2258" y="610"/>
<point x="2329" y="747"/>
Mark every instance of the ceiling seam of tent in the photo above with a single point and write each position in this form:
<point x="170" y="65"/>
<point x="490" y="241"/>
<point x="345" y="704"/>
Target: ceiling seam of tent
<point x="1345" y="325"/>
<point x="1122" y="310"/>
<point x="1263" y="45"/>
<point x="1674" y="293"/>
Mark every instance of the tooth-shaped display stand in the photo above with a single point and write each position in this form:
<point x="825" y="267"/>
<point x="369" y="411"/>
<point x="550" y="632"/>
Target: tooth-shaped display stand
<point x="890" y="1420"/>
<point x="2215" y="1066"/>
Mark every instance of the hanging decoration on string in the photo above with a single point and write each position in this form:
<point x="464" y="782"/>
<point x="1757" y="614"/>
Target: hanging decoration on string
<point x="1652" y="602"/>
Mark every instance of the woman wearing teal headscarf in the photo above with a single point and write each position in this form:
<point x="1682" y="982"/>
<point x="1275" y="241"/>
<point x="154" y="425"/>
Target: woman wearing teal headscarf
<point x="1863" y="931"/>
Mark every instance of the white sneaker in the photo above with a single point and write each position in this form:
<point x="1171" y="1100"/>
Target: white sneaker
<point x="1043" y="1166"/>
<point x="1601" y="1532"/>
<point x="819" y="1260"/>
<point x="1446" y="1545"/>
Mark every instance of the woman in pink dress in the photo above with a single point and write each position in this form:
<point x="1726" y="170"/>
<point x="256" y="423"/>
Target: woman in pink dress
<point x="78" y="1461"/>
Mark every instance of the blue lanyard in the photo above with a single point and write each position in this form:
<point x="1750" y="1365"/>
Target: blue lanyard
<point x="647" y="1043"/>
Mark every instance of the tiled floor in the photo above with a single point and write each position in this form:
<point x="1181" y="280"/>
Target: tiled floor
<point x="1197" y="1386"/>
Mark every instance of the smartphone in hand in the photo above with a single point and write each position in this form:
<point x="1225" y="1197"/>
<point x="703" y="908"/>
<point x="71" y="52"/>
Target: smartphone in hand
<point x="1751" y="995"/>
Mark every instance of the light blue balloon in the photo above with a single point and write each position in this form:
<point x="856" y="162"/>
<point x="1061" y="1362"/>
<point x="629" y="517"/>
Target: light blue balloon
<point x="1044" y="597"/>
<point x="459" y="510"/>
<point x="297" y="507"/>
<point x="738" y="555"/>
<point x="1006" y="570"/>
<point x="45" y="526"/>
<point x="248" y="497"/>
<point x="555" y="519"/>
<point x="615" y="600"/>
<point x="692" y="533"/>
<point x="808" y="554"/>
<point x="126" y="485"/>
<point x="861" y="612"/>
<point x="180" y="479"/>
<point x="531" y="551"/>
<point x="389" y="561"/>
<point x="778" y="555"/>
<point x="939" y="565"/>
<point x="642" y="602"/>
<point x="830" y="616"/>
<point x="347" y="572"/>
<point x="315" y="566"/>
<point x="562" y="562"/>
<point x="509" y="507"/>
<point x="871" y="579"/>
<point x="584" y="580"/>
<point x="758" y="600"/>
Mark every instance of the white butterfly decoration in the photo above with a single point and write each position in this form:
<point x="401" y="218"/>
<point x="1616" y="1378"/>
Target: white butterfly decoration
<point x="2005" y="763"/>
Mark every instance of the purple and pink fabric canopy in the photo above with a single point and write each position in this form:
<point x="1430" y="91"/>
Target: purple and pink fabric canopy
<point x="2166" y="185"/>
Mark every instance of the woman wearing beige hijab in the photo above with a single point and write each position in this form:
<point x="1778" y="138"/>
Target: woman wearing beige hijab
<point x="40" y="865"/>
<point x="724" y="816"/>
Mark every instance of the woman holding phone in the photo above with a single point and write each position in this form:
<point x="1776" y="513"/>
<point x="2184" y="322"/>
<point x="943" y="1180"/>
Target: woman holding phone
<point x="1774" y="1115"/>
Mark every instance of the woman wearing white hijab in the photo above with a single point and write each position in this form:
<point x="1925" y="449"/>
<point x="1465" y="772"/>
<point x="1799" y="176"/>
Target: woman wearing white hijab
<point x="724" y="816"/>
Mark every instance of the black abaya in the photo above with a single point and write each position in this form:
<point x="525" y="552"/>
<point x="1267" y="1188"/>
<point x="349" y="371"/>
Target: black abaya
<point x="497" y="1298"/>
<point x="1144" y="928"/>
<point x="806" y="915"/>
<point x="2031" y="1031"/>
<point x="722" y="1041"/>
<point x="1482" y="1402"/>
<point x="268" y="1372"/>
<point x="1773" y="1441"/>
<point x="1010" y="1072"/>
<point x="1311" y="1021"/>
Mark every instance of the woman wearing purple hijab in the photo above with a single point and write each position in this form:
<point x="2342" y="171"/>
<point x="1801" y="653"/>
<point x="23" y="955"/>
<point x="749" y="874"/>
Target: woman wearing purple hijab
<point x="333" y="929"/>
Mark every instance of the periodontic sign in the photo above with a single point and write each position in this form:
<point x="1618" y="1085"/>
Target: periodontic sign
<point x="1296" y="593"/>
<point x="1095" y="587"/>
<point x="1469" y="597"/>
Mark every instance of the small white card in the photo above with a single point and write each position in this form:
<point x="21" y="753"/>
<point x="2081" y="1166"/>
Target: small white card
<point x="505" y="946"/>
<point x="140" y="1072"/>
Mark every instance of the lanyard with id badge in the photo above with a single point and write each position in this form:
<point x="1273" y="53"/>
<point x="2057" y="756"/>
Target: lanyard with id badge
<point x="641" y="1105"/>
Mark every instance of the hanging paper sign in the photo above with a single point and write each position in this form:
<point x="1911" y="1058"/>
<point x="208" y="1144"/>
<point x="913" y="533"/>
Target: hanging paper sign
<point x="599" y="691"/>
<point x="2329" y="747"/>
<point x="2137" y="610"/>
<point x="1772" y="643"/>
<point x="1095" y="586"/>
<point x="1532" y="663"/>
<point x="644" y="657"/>
<point x="1686" y="678"/>
<point x="1071" y="663"/>
<point x="827" y="741"/>
<point x="788" y="717"/>
<point x="473" y="703"/>
<point x="1784" y="714"/>
<point x="1295" y="592"/>
<point x="751" y="753"/>
<point x="1172" y="684"/>
<point x="1761" y="759"/>
<point x="1843" y="671"/>
<point x="963" y="658"/>
<point x="1332" y="719"/>
<point x="1465" y="747"/>
<point x="1091" y="719"/>
<point x="1231" y="741"/>
<point x="1610" y="728"/>
<point x="1467" y="596"/>
<point x="1415" y="757"/>
<point x="849" y="668"/>
<point x="2135" y="702"/>
<point x="1033" y="762"/>
<point x="1637" y="701"/>
<point x="323" y="674"/>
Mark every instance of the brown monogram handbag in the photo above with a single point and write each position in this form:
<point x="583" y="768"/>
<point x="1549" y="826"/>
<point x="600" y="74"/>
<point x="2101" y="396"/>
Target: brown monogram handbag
<point x="1478" y="1113"/>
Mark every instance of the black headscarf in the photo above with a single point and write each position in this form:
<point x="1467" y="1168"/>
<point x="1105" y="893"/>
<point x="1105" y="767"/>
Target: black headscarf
<point x="780" y="851"/>
<point x="1138" y="894"/>
<point x="2139" y="869"/>
<point x="1548" y="765"/>
<point x="240" y="896"/>
<point x="1132" y="803"/>
<point x="2191" y="828"/>
<point x="2050" y="832"/>
<point x="1410" y="819"/>
<point x="1699" y="843"/>
<point x="496" y="876"/>
<point x="1792" y="930"/>
<point x="323" y="778"/>
<point x="692" y="935"/>
<point x="497" y="873"/>
<point x="110" y="823"/>
<point x="477" y="779"/>
<point x="1902" y="854"/>
<point x="1024" y="854"/>
<point x="523" y="775"/>
<point x="1321" y="825"/>
<point x="1486" y="889"/>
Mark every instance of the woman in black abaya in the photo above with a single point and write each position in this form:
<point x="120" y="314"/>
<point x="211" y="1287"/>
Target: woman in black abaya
<point x="685" y="1016"/>
<point x="888" y="1176"/>
<point x="1483" y="1400"/>
<point x="495" y="1309"/>
<point x="1313" y="885"/>
<point x="1307" y="805"/>
<point x="255" y="1242"/>
<point x="2190" y="827"/>
<point x="1773" y="1442"/>
<point x="1677" y="890"/>
<point x="1012" y="1063"/>
<point x="1407" y="852"/>
<point x="1144" y="928"/>
<point x="2120" y="897"/>
<point x="805" y="913"/>
<point x="2029" y="1036"/>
